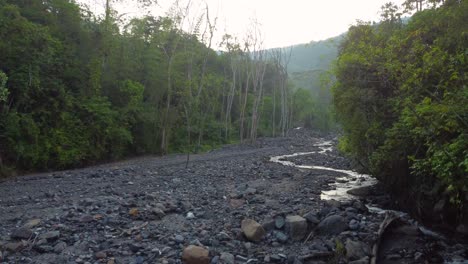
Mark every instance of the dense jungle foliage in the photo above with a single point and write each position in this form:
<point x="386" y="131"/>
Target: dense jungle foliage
<point x="402" y="99"/>
<point x="76" y="88"/>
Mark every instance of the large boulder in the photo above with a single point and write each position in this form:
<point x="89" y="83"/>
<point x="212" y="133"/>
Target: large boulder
<point x="332" y="225"/>
<point x="195" y="255"/>
<point x="252" y="230"/>
<point x="296" y="227"/>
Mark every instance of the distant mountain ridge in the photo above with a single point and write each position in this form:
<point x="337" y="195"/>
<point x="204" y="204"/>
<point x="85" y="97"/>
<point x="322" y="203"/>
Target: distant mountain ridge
<point x="316" y="55"/>
<point x="308" y="61"/>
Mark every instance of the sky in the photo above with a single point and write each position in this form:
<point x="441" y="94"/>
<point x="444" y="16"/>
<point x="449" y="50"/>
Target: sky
<point x="282" y="23"/>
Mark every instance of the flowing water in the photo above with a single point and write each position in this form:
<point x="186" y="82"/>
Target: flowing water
<point x="350" y="180"/>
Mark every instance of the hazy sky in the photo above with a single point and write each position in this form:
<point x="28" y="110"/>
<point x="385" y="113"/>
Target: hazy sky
<point x="282" y="22"/>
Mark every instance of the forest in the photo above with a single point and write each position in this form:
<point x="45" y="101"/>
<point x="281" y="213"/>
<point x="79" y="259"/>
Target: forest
<point x="78" y="88"/>
<point x="402" y="98"/>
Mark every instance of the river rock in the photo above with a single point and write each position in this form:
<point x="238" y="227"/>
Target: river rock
<point x="195" y="255"/>
<point x="312" y="218"/>
<point x="279" y="222"/>
<point x="227" y="258"/>
<point x="281" y="237"/>
<point x="101" y="255"/>
<point x="50" y="236"/>
<point x="21" y="233"/>
<point x="356" y="250"/>
<point x="15" y="246"/>
<point x="252" y="230"/>
<point x="296" y="227"/>
<point x="361" y="191"/>
<point x="268" y="224"/>
<point x="32" y="223"/>
<point x="236" y="203"/>
<point x="59" y="247"/>
<point x="332" y="225"/>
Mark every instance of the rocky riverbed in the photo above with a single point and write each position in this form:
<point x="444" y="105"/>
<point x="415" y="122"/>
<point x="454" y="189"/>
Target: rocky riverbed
<point x="232" y="205"/>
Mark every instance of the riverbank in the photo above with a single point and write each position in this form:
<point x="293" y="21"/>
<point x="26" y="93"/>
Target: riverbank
<point x="149" y="210"/>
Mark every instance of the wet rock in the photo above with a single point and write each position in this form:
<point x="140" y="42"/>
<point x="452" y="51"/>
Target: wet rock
<point x="361" y="191"/>
<point x="252" y="230"/>
<point x="296" y="227"/>
<point x="195" y="255"/>
<point x="227" y="258"/>
<point x="356" y="250"/>
<point x="21" y="233"/>
<point x="332" y="225"/>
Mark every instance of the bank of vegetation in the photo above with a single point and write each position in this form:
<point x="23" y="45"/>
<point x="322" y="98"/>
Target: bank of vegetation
<point x="402" y="99"/>
<point x="78" y="88"/>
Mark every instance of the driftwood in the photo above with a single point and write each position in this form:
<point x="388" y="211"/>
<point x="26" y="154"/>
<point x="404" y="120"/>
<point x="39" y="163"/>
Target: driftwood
<point x="389" y="219"/>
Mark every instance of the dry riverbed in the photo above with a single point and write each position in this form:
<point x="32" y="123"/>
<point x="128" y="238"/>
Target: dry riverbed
<point x="232" y="205"/>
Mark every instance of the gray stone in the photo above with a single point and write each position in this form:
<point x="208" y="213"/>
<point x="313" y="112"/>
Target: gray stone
<point x="32" y="223"/>
<point x="14" y="247"/>
<point x="296" y="227"/>
<point x="179" y="239"/>
<point x="101" y="255"/>
<point x="356" y="250"/>
<point x="281" y="237"/>
<point x="353" y="224"/>
<point x="157" y="213"/>
<point x="279" y="222"/>
<point x="361" y="191"/>
<point x="21" y="233"/>
<point x="227" y="258"/>
<point x="312" y="218"/>
<point x="332" y="225"/>
<point x="268" y="224"/>
<point x="50" y="236"/>
<point x="59" y="247"/>
<point x="86" y="219"/>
